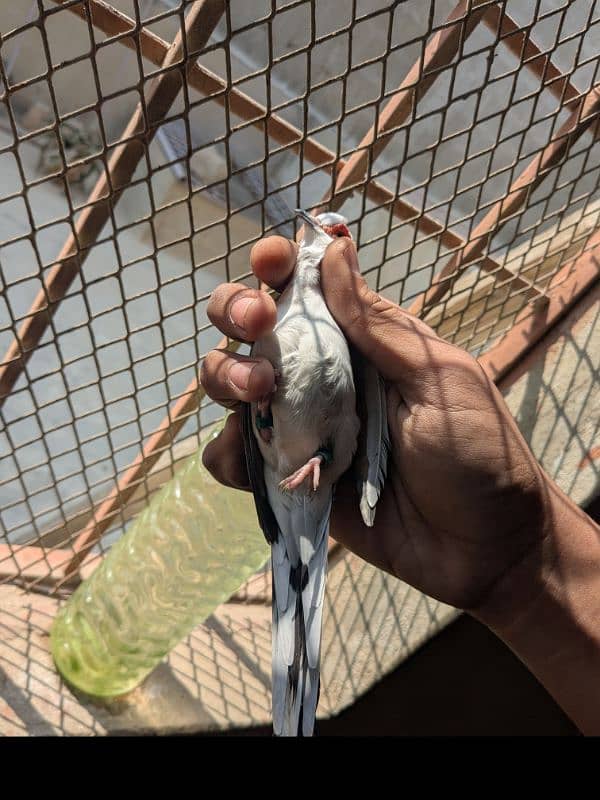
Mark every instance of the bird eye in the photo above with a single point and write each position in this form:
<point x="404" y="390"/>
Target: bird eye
<point x="339" y="231"/>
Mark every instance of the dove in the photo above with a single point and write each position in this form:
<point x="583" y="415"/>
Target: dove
<point x="298" y="441"/>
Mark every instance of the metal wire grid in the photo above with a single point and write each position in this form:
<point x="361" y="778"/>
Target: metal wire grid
<point x="104" y="335"/>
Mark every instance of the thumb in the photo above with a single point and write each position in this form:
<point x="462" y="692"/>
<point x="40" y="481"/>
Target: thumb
<point x="396" y="342"/>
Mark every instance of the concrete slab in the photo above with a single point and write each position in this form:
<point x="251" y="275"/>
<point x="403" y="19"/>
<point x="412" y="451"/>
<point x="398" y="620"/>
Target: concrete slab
<point x="220" y="676"/>
<point x="557" y="406"/>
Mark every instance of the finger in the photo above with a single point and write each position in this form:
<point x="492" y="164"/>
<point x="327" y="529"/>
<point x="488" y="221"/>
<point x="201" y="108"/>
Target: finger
<point x="240" y="312"/>
<point x="224" y="456"/>
<point x="400" y="345"/>
<point x="228" y="377"/>
<point x="272" y="260"/>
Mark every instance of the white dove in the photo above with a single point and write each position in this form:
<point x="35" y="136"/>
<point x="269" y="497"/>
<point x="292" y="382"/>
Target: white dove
<point x="298" y="441"/>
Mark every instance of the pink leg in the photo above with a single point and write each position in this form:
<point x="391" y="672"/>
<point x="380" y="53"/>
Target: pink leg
<point x="312" y="466"/>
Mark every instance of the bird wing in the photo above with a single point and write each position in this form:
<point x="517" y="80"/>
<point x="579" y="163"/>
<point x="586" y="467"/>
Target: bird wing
<point x="373" y="441"/>
<point x="299" y="560"/>
<point x="256" y="474"/>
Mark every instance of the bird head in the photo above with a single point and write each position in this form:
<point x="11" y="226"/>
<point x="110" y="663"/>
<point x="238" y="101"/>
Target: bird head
<point x="329" y="224"/>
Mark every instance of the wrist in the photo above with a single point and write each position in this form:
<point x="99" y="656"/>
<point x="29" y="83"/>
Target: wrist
<point x="546" y="608"/>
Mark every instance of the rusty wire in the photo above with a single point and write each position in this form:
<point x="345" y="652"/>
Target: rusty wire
<point x="272" y="114"/>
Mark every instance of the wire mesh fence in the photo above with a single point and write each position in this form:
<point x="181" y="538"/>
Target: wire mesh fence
<point x="146" y="145"/>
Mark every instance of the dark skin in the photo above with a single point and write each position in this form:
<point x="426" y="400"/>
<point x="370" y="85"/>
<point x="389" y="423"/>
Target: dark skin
<point x="462" y="484"/>
<point x="467" y="514"/>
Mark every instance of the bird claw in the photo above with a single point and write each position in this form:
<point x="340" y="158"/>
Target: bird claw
<point x="297" y="478"/>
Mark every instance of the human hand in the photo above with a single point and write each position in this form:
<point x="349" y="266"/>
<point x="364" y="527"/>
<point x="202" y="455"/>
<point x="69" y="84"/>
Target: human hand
<point x="465" y="500"/>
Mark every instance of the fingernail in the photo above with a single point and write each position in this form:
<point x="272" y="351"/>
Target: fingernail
<point x="239" y="373"/>
<point x="239" y="311"/>
<point x="350" y="257"/>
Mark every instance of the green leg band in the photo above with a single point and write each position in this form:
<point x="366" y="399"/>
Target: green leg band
<point x="326" y="455"/>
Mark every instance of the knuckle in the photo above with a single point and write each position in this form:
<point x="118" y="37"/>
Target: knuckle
<point x="210" y="459"/>
<point x="381" y="310"/>
<point x="215" y="301"/>
<point x="261" y="380"/>
<point x="219" y="300"/>
<point x="207" y="368"/>
<point x="379" y="313"/>
<point x="203" y="371"/>
<point x="212" y="371"/>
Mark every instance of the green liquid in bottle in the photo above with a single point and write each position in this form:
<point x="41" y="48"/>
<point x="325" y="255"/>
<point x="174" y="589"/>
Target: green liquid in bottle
<point x="190" y="549"/>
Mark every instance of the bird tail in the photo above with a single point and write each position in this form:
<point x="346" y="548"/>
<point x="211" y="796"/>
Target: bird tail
<point x="298" y="593"/>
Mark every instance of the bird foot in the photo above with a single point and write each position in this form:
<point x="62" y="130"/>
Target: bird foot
<point x="312" y="467"/>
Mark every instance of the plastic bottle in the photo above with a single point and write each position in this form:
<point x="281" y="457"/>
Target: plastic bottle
<point x="192" y="547"/>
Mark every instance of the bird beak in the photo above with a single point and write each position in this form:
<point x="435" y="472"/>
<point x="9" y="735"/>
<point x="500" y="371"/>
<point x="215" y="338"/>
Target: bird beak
<point x="308" y="219"/>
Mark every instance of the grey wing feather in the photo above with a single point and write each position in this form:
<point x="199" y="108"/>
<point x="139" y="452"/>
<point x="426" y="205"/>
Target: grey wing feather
<point x="299" y="564"/>
<point x="313" y="591"/>
<point x="256" y="474"/>
<point x="299" y="571"/>
<point x="374" y="442"/>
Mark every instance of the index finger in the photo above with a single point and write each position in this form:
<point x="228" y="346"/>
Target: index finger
<point x="247" y="314"/>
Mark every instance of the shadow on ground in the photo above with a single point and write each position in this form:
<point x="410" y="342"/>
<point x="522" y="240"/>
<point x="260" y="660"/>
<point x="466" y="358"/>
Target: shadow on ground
<point x="464" y="682"/>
